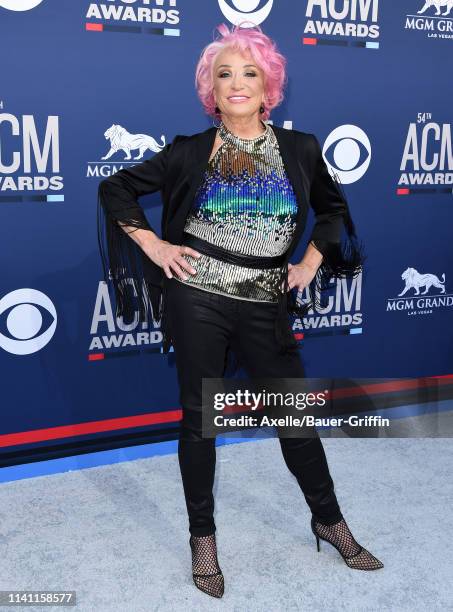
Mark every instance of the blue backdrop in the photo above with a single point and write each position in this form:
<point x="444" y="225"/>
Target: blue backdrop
<point x="372" y="82"/>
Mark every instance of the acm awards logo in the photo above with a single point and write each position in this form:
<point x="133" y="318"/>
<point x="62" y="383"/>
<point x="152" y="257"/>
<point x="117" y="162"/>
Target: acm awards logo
<point x="343" y="307"/>
<point x="109" y="332"/>
<point x="155" y="12"/>
<point x="33" y="147"/>
<point x="427" y="158"/>
<point x="434" y="17"/>
<point x="344" y="19"/>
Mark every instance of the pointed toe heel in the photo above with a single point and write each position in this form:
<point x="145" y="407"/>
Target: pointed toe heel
<point x="211" y="582"/>
<point x="340" y="537"/>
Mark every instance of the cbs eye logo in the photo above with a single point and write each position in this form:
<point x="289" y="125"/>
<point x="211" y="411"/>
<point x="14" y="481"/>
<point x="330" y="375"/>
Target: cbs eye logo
<point x="347" y="150"/>
<point x="245" y="9"/>
<point x="20" y="5"/>
<point x="27" y="312"/>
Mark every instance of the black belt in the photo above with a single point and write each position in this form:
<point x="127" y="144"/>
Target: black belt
<point x="248" y="261"/>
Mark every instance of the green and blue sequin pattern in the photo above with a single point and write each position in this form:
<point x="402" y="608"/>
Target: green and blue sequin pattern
<point x="246" y="204"/>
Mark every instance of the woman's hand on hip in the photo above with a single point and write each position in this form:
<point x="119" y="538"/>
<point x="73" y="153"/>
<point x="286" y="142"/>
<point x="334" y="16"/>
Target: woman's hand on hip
<point x="300" y="275"/>
<point x="170" y="257"/>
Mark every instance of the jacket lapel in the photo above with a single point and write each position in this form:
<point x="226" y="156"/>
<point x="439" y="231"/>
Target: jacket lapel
<point x="204" y="143"/>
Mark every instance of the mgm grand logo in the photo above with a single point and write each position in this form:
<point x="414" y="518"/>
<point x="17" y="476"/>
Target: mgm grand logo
<point x="422" y="293"/>
<point x="434" y="17"/>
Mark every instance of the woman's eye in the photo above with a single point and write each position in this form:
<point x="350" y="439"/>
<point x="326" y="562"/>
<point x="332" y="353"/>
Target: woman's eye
<point x="223" y="74"/>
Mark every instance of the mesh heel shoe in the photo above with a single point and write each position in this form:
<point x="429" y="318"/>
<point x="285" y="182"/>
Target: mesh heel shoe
<point x="339" y="535"/>
<point x="206" y="572"/>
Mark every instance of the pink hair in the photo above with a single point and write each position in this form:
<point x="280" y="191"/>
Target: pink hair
<point x="265" y="54"/>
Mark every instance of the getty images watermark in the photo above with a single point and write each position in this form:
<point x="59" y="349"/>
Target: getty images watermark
<point x="337" y="407"/>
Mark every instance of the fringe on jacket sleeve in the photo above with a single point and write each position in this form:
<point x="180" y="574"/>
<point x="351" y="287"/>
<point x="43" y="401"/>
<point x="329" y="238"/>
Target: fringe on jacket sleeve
<point x="136" y="279"/>
<point x="125" y="266"/>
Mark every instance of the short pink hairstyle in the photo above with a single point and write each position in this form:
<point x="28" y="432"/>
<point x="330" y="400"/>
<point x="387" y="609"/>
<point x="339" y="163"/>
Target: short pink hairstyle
<point x="265" y="54"/>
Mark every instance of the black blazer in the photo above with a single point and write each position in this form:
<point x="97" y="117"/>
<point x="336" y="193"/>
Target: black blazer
<point x="177" y="171"/>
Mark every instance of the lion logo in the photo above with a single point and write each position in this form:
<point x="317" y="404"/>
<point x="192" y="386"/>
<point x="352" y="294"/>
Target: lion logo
<point x="437" y="4"/>
<point x="415" y="280"/>
<point x="121" y="139"/>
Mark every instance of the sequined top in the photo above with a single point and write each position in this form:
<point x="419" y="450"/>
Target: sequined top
<point x="246" y="204"/>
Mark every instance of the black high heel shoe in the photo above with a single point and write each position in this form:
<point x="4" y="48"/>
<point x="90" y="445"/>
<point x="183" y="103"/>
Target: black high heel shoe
<point x="204" y="556"/>
<point x="339" y="535"/>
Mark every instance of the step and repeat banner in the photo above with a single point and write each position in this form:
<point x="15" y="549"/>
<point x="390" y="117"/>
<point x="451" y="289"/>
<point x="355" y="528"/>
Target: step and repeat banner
<point x="88" y="88"/>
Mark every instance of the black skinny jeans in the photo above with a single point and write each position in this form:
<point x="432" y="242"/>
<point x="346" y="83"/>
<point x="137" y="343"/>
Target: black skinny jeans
<point x="204" y="325"/>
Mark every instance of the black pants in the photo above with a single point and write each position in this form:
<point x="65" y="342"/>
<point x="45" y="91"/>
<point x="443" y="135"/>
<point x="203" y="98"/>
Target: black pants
<point x="205" y="325"/>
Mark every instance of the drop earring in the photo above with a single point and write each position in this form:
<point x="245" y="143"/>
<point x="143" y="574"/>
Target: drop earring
<point x="261" y="109"/>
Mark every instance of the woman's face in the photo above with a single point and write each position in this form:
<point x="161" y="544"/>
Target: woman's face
<point x="238" y="84"/>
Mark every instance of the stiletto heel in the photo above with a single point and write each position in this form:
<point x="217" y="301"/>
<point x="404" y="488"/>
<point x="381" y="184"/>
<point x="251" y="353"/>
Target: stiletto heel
<point x="315" y="534"/>
<point x="353" y="554"/>
<point x="204" y="554"/>
<point x="317" y="541"/>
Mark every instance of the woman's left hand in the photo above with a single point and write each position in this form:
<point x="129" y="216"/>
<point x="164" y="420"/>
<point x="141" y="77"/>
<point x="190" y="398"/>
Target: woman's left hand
<point x="300" y="275"/>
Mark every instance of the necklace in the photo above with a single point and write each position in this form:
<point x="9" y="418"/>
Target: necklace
<point x="246" y="144"/>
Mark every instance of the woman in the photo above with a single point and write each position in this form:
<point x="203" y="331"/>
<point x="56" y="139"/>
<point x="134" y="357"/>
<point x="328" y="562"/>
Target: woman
<point x="234" y="208"/>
